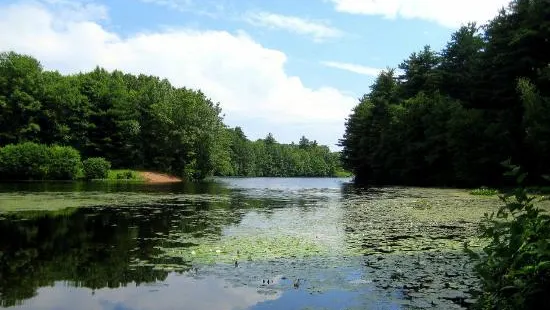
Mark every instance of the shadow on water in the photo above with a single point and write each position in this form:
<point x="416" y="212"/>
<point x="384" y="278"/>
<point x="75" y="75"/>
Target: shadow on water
<point x="211" y="187"/>
<point x="90" y="247"/>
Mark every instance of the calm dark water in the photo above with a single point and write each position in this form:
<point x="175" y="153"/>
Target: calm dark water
<point x="231" y="243"/>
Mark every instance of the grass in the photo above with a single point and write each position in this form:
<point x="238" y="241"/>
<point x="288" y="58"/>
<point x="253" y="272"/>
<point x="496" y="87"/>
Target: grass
<point x="123" y="175"/>
<point x="341" y="173"/>
<point x="115" y="175"/>
<point x="484" y="191"/>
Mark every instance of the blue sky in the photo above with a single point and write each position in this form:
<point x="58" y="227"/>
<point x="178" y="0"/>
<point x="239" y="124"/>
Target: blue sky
<point x="290" y="67"/>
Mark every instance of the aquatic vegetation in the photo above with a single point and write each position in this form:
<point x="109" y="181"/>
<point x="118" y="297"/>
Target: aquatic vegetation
<point x="51" y="201"/>
<point x="422" y="204"/>
<point x="406" y="220"/>
<point x="387" y="241"/>
<point x="232" y="249"/>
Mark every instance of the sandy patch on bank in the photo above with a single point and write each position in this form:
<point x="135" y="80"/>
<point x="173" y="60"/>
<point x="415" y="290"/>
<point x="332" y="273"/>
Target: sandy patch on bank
<point x="155" y="177"/>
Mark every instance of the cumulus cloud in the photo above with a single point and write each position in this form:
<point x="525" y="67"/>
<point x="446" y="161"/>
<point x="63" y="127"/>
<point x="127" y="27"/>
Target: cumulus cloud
<point x="355" y="68"/>
<point x="449" y="13"/>
<point x="319" y="30"/>
<point x="248" y="79"/>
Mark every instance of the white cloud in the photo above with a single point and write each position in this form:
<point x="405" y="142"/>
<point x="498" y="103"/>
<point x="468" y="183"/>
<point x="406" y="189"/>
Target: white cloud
<point x="355" y="68"/>
<point x="248" y="79"/>
<point x="319" y="30"/>
<point x="450" y="13"/>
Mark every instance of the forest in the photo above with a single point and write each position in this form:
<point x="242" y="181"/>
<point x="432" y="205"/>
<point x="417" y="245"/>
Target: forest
<point x="449" y="118"/>
<point x="137" y="122"/>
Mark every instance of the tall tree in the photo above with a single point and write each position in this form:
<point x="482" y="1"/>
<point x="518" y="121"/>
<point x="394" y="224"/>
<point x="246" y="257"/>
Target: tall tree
<point x="453" y="117"/>
<point x="460" y="61"/>
<point x="21" y="88"/>
<point x="419" y="73"/>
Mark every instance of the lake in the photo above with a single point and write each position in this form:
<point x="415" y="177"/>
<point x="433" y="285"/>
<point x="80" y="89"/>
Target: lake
<point x="236" y="243"/>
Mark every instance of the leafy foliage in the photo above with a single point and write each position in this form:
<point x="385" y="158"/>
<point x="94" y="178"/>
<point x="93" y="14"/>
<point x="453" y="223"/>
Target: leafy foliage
<point x="32" y="161"/>
<point x="138" y="122"/>
<point x="63" y="163"/>
<point x="515" y="266"/>
<point x="451" y="117"/>
<point x="20" y="88"/>
<point x="96" y="168"/>
<point x="25" y="161"/>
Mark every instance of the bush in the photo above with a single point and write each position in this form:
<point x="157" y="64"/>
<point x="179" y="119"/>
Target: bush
<point x="25" y="161"/>
<point x="63" y="163"/>
<point x="96" y="168"/>
<point x="31" y="161"/>
<point x="515" y="266"/>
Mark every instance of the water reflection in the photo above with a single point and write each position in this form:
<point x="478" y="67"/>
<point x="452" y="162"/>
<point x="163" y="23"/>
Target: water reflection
<point x="176" y="292"/>
<point x="88" y="247"/>
<point x="116" y="256"/>
<point x="98" y="247"/>
<point x="211" y="187"/>
<point x="180" y="292"/>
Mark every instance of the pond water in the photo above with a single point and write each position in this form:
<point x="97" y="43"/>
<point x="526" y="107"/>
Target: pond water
<point x="236" y="243"/>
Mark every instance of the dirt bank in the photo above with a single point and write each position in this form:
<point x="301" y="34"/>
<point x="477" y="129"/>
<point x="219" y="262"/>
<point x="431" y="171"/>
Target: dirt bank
<point x="156" y="177"/>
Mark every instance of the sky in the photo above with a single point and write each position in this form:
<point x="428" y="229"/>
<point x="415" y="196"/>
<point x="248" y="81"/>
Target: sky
<point x="286" y="67"/>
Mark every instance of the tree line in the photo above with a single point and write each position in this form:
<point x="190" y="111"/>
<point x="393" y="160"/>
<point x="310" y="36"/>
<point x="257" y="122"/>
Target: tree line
<point x="140" y="122"/>
<point x="265" y="157"/>
<point x="451" y="117"/>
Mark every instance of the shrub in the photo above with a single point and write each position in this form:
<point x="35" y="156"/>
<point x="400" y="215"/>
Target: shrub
<point x="63" y="163"/>
<point x="25" y="161"/>
<point x="31" y="161"/>
<point x="96" y="168"/>
<point x="514" y="267"/>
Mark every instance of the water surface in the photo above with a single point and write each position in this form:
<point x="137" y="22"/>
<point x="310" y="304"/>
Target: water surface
<point x="235" y="243"/>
